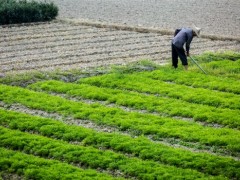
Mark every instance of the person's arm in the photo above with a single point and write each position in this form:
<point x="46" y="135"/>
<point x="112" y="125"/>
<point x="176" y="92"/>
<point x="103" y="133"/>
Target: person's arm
<point x="190" y="37"/>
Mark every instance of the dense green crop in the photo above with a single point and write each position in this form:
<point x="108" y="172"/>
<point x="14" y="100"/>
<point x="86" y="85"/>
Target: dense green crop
<point x="161" y="124"/>
<point x="152" y="103"/>
<point x="144" y="123"/>
<point x="32" y="167"/>
<point x="140" y="147"/>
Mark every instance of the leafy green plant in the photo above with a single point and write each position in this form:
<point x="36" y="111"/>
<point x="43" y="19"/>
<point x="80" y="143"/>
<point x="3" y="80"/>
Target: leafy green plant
<point x="23" y="11"/>
<point x="32" y="167"/>
<point x="90" y="157"/>
<point x="142" y="153"/>
<point x="144" y="123"/>
<point x="134" y="82"/>
<point x="140" y="147"/>
<point x="151" y="103"/>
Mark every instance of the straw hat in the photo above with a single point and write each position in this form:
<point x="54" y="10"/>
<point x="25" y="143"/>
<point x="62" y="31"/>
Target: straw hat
<point x="196" y="30"/>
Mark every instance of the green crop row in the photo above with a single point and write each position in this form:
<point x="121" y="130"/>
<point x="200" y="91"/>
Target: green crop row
<point x="140" y="147"/>
<point x="221" y="67"/>
<point x="32" y="167"/>
<point x="221" y="64"/>
<point x="160" y="127"/>
<point x="193" y="79"/>
<point x="170" y="106"/>
<point x="92" y="157"/>
<point x="138" y="83"/>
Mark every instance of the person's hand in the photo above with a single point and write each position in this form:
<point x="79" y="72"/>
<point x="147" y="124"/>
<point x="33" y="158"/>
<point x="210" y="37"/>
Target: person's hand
<point x="187" y="53"/>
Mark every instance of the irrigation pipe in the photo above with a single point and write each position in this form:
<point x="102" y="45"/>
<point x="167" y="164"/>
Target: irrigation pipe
<point x="197" y="64"/>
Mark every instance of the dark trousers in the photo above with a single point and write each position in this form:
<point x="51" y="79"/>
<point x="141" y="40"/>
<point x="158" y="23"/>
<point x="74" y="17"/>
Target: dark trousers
<point x="176" y="52"/>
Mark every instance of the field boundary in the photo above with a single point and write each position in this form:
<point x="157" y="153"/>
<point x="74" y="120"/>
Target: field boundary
<point x="140" y="29"/>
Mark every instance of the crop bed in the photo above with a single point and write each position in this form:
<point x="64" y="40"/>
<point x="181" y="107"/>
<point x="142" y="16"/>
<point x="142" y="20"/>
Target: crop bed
<point x="63" y="45"/>
<point x="125" y="124"/>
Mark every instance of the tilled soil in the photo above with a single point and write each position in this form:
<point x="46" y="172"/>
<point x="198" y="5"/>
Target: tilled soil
<point x="221" y="17"/>
<point x="64" y="46"/>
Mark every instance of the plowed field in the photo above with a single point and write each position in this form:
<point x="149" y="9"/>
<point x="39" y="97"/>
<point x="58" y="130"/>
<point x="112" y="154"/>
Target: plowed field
<point x="62" y="45"/>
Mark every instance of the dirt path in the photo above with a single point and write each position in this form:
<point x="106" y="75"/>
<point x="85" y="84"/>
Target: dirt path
<point x="63" y="45"/>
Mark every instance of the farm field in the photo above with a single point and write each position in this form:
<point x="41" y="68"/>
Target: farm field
<point x="68" y="45"/>
<point x="139" y="121"/>
<point x="219" y="17"/>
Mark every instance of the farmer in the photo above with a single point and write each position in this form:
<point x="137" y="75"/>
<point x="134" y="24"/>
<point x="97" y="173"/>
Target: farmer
<point x="181" y="37"/>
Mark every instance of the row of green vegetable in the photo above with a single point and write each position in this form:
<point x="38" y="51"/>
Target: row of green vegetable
<point x="140" y="147"/>
<point x="222" y="64"/>
<point x="159" y="127"/>
<point x="136" y="82"/>
<point x="32" y="167"/>
<point x="151" y="103"/>
<point x="91" y="157"/>
<point x="193" y="79"/>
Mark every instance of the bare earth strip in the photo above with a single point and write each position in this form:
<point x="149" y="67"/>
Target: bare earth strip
<point x="63" y="45"/>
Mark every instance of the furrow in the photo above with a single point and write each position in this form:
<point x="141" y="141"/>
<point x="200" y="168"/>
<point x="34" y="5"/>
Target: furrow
<point x="24" y="51"/>
<point x="69" y="58"/>
<point x="47" y="30"/>
<point x="111" y="36"/>
<point x="88" y="51"/>
<point x="60" y="36"/>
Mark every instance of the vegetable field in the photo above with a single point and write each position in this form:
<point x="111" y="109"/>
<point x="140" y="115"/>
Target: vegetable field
<point x="140" y="121"/>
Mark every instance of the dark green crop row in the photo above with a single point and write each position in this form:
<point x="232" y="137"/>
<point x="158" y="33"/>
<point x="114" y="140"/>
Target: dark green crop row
<point x="32" y="167"/>
<point x="140" y="147"/>
<point x="144" y="123"/>
<point x="138" y="83"/>
<point x="197" y="80"/>
<point x="170" y="106"/>
<point x="92" y="157"/>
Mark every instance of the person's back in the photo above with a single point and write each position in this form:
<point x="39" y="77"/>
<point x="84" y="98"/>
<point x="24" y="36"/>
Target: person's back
<point x="181" y="37"/>
<point x="185" y="35"/>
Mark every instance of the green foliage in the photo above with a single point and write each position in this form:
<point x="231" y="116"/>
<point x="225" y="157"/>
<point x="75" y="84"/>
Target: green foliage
<point x="171" y="106"/>
<point x="172" y="102"/>
<point x="143" y="65"/>
<point x="140" y="147"/>
<point x="91" y="157"/>
<point x="224" y="64"/>
<point x="32" y="167"/>
<point x="219" y="56"/>
<point x="23" y="11"/>
<point x="144" y="123"/>
<point x="193" y="79"/>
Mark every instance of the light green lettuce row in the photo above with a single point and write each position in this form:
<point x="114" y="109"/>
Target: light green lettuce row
<point x="92" y="157"/>
<point x="162" y="105"/>
<point x="160" y="127"/>
<point x="140" y="147"/>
